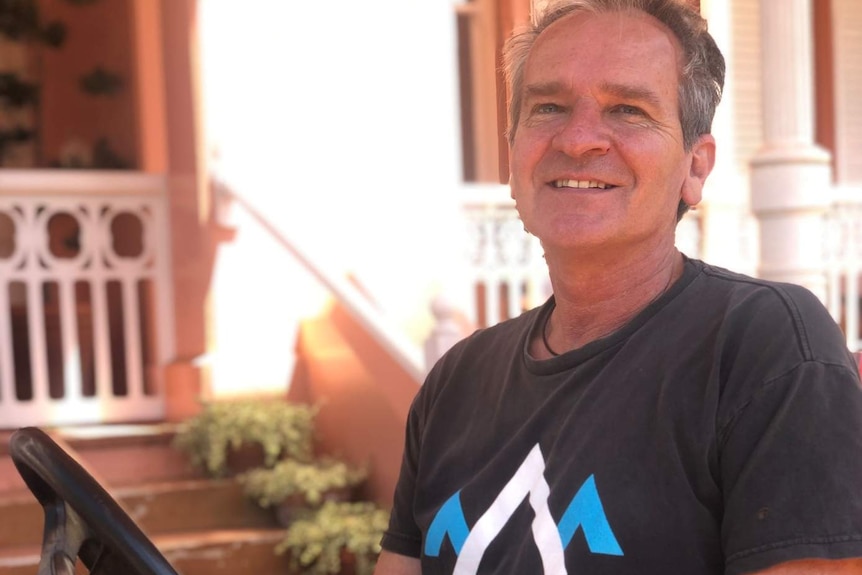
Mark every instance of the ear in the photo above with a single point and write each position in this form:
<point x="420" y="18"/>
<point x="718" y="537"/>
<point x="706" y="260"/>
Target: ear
<point x="702" y="162"/>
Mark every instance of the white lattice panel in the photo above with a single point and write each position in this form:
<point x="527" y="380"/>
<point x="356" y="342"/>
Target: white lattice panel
<point x="508" y="264"/>
<point x="85" y="322"/>
<point x="844" y="268"/>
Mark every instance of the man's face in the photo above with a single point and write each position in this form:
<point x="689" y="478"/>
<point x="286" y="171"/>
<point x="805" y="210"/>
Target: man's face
<point x="597" y="159"/>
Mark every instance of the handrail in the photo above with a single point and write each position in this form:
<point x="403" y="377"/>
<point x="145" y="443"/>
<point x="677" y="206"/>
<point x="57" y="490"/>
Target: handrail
<point x="404" y="351"/>
<point x="77" y="183"/>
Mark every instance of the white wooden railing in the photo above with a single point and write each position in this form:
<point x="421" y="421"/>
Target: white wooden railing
<point x="85" y="304"/>
<point x="86" y="322"/>
<point x="844" y="265"/>
<point x="509" y="271"/>
<point x="509" y="274"/>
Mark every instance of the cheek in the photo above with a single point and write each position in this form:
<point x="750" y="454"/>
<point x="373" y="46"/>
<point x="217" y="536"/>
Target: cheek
<point x="659" y="169"/>
<point x="521" y="173"/>
<point x="527" y="149"/>
<point x="517" y="153"/>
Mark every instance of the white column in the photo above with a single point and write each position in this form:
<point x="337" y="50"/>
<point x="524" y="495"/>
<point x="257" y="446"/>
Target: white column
<point x="791" y="176"/>
<point x="724" y="207"/>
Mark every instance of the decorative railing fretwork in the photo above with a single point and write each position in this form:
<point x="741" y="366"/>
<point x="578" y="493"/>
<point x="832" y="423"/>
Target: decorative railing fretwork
<point x="844" y="268"/>
<point x="85" y="326"/>
<point x="510" y="275"/>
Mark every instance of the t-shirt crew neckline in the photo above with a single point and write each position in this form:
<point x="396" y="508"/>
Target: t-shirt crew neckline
<point x="571" y="358"/>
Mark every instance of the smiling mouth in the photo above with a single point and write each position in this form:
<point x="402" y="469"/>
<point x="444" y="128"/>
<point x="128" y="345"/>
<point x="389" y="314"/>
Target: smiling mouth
<point x="581" y="184"/>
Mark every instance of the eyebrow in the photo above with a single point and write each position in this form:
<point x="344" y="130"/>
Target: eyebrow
<point x="543" y="89"/>
<point x="630" y="92"/>
<point x="622" y="91"/>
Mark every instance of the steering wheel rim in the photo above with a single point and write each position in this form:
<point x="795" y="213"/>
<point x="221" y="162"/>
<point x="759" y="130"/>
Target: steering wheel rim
<point x="81" y="518"/>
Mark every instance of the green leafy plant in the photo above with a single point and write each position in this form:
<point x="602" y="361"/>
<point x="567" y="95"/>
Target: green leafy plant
<point x="320" y="543"/>
<point x="280" y="428"/>
<point x="312" y="481"/>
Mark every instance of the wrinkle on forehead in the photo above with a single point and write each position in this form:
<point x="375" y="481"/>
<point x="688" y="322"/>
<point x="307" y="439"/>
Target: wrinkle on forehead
<point x="634" y="30"/>
<point x="630" y="51"/>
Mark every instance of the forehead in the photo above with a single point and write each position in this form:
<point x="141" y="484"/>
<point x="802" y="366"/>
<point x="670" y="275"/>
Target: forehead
<point x="615" y="47"/>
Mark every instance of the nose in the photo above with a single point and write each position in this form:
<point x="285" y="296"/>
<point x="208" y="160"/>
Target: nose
<point x="584" y="133"/>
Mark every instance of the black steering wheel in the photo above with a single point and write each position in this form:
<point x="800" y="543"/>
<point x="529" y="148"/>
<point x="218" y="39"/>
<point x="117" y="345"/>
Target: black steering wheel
<point x="81" y="519"/>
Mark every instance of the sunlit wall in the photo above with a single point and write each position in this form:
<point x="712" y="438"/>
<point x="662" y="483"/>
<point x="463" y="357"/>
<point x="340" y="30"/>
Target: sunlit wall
<point x="339" y="121"/>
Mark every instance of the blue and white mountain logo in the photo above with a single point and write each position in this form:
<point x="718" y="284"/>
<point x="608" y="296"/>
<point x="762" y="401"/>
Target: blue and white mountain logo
<point x="585" y="511"/>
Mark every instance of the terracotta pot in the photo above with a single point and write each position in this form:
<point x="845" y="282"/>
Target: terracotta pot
<point x="290" y="510"/>
<point x="295" y="506"/>
<point x="244" y="458"/>
<point x="348" y="563"/>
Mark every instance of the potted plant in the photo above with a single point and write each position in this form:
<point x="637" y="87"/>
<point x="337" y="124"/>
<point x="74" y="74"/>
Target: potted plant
<point x="272" y="428"/>
<point x="293" y="484"/>
<point x="338" y="538"/>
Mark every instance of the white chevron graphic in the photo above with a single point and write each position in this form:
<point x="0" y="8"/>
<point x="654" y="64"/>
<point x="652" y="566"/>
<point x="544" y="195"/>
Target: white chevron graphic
<point x="529" y="480"/>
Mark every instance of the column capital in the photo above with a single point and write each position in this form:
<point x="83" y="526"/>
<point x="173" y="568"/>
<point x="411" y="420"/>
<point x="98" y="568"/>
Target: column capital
<point x="774" y="154"/>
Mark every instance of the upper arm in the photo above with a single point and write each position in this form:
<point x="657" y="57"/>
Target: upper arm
<point x="394" y="564"/>
<point x="791" y="464"/>
<point x="815" y="567"/>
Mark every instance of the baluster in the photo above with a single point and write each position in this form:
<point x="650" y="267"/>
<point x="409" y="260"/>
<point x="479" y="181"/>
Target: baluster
<point x="445" y="333"/>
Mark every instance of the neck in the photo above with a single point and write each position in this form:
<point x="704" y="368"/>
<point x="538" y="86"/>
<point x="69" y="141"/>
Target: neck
<point x="593" y="301"/>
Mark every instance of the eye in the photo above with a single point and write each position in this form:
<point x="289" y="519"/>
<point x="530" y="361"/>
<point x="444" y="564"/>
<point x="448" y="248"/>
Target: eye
<point x="628" y="110"/>
<point x="546" y="108"/>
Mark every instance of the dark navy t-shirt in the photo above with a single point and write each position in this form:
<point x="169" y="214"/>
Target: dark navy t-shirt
<point x="720" y="431"/>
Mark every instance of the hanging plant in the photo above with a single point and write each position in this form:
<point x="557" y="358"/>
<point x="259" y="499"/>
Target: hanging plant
<point x="311" y="481"/>
<point x="100" y="82"/>
<point x="16" y="93"/>
<point x="277" y="428"/>
<point x="20" y="21"/>
<point x="335" y="536"/>
<point x="291" y="488"/>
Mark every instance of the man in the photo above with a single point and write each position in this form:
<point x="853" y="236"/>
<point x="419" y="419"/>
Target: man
<point x="656" y="415"/>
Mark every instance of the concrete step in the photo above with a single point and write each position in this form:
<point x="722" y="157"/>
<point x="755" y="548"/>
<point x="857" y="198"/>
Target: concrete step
<point x="193" y="505"/>
<point x="157" y="508"/>
<point x="202" y="526"/>
<point x="20" y="561"/>
<point x="121" y="455"/>
<point x="214" y="552"/>
<point x="226" y="552"/>
<point x="116" y="455"/>
<point x="22" y="522"/>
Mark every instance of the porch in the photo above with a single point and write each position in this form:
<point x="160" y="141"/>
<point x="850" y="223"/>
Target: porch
<point x="86" y="309"/>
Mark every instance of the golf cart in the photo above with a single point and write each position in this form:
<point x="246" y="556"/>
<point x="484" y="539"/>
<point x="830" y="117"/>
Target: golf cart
<point x="82" y="521"/>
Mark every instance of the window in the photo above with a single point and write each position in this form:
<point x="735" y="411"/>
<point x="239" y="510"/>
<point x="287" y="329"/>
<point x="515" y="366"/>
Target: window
<point x="483" y="26"/>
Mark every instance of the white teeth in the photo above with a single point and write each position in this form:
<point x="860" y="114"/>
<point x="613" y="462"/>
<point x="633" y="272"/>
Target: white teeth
<point x="580" y="184"/>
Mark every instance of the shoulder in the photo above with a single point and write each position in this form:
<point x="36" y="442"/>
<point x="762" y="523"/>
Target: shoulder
<point x="767" y="313"/>
<point x="763" y="340"/>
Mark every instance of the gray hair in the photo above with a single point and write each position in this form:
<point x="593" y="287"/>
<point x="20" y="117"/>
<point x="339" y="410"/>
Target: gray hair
<point x="701" y="77"/>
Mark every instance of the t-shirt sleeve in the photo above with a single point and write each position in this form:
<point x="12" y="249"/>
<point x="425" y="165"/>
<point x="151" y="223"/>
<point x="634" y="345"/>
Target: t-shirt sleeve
<point x="791" y="470"/>
<point x="403" y="535"/>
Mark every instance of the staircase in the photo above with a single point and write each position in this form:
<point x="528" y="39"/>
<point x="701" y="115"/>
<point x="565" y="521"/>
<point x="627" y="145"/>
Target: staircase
<point x="202" y="526"/>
